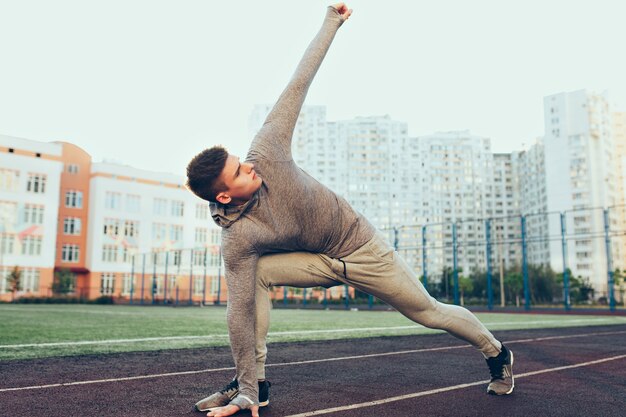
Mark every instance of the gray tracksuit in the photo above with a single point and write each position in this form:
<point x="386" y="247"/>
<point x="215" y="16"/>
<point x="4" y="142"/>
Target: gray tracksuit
<point x="303" y="229"/>
<point x="290" y="212"/>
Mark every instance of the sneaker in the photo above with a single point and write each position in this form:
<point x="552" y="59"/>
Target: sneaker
<point x="501" y="370"/>
<point x="230" y="391"/>
<point x="264" y="393"/>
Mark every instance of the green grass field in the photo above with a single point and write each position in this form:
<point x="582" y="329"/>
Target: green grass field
<point x="35" y="331"/>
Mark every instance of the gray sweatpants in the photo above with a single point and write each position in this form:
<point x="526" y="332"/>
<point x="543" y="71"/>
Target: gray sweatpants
<point x="374" y="268"/>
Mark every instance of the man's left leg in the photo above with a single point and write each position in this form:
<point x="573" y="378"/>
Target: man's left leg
<point x="377" y="269"/>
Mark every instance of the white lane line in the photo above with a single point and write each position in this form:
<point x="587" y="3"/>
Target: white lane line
<point x="450" y="388"/>
<point x="285" y="333"/>
<point x="341" y="358"/>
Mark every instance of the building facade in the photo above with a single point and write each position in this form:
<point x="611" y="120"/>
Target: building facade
<point x="116" y="230"/>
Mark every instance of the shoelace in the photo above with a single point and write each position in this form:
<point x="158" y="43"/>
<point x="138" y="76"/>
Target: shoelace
<point x="233" y="385"/>
<point x="496" y="368"/>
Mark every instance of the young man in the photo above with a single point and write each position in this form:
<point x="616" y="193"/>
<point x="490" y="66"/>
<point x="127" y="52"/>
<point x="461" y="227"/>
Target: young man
<point x="282" y="227"/>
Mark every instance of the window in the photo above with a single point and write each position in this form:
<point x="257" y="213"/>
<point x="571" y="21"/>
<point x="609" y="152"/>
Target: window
<point x="178" y="208"/>
<point x="72" y="168"/>
<point x="74" y="199"/>
<point x="214" y="258"/>
<point x="112" y="227"/>
<point x="7" y="242"/>
<point x="33" y="214"/>
<point x="8" y="213"/>
<point x="159" y="231"/>
<point x="201" y="236"/>
<point x="71" y="226"/>
<point x="30" y="280"/>
<point x="4" y="285"/>
<point x="70" y="253"/>
<point x="128" y="253"/>
<point x="112" y="201"/>
<point x="202" y="211"/>
<point x="160" y="207"/>
<point x="215" y="286"/>
<point x="131" y="228"/>
<point x="107" y="284"/>
<point x="31" y="245"/>
<point x="109" y="253"/>
<point x="127" y="284"/>
<point x="215" y="236"/>
<point x="9" y="179"/>
<point x="36" y="183"/>
<point x="198" y="285"/>
<point x="176" y="233"/>
<point x="133" y="203"/>
<point x="177" y="255"/>
<point x="199" y="258"/>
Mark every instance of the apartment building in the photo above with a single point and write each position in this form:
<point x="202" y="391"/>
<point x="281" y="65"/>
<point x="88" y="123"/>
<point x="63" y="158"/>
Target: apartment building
<point x="30" y="180"/>
<point x="581" y="180"/>
<point x="119" y="231"/>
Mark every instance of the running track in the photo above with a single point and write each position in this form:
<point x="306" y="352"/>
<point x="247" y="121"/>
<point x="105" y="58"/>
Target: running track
<point x="560" y="372"/>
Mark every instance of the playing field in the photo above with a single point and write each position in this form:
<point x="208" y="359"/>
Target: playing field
<point x="36" y="331"/>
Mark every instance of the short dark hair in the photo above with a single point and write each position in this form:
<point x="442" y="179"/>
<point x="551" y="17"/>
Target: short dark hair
<point x="203" y="173"/>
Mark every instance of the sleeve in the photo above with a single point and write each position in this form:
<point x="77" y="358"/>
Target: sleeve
<point x="240" y="263"/>
<point x="273" y="141"/>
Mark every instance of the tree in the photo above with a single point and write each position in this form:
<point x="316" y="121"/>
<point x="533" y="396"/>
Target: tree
<point x="465" y="286"/>
<point x="63" y="282"/>
<point x="14" y="280"/>
<point x="581" y="291"/>
<point x="514" y="283"/>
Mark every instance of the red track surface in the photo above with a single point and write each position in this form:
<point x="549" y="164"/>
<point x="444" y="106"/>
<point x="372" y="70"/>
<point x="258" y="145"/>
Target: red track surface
<point x="590" y="390"/>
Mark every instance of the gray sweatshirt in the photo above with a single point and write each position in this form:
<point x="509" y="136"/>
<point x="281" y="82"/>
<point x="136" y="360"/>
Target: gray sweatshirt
<point x="290" y="212"/>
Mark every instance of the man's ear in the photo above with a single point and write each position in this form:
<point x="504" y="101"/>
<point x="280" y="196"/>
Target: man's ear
<point x="223" y="198"/>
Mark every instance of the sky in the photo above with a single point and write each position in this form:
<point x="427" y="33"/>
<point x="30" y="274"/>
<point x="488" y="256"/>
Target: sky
<point x="152" y="83"/>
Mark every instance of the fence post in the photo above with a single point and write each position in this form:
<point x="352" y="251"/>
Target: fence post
<point x="455" y="271"/>
<point x="219" y="277"/>
<point x="566" y="303"/>
<point x="190" y="275"/>
<point x="396" y="240"/>
<point x="154" y="284"/>
<point x="609" y="263"/>
<point x="325" y="302"/>
<point x="489" y="277"/>
<point x="347" y="296"/>
<point x="285" y="296"/>
<point x="204" y="277"/>
<point x="424" y="269"/>
<point x="167" y="259"/>
<point x="143" y="275"/>
<point x="525" y="266"/>
<point x="304" y="297"/>
<point x="132" y="279"/>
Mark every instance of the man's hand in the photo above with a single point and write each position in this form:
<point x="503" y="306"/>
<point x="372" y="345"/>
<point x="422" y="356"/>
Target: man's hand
<point x="343" y="10"/>
<point x="229" y="410"/>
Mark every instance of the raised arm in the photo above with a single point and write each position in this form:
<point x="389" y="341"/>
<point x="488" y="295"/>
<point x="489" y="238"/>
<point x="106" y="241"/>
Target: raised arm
<point x="273" y="141"/>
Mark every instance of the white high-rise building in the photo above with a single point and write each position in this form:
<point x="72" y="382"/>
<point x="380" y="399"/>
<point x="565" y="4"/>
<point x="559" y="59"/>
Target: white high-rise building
<point x="529" y="169"/>
<point x="457" y="188"/>
<point x="505" y="212"/>
<point x="580" y="180"/>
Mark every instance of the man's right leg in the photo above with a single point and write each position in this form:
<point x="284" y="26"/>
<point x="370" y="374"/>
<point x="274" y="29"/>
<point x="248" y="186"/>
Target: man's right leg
<point x="293" y="269"/>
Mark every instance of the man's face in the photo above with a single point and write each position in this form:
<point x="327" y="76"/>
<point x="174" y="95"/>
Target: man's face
<point x="241" y="181"/>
